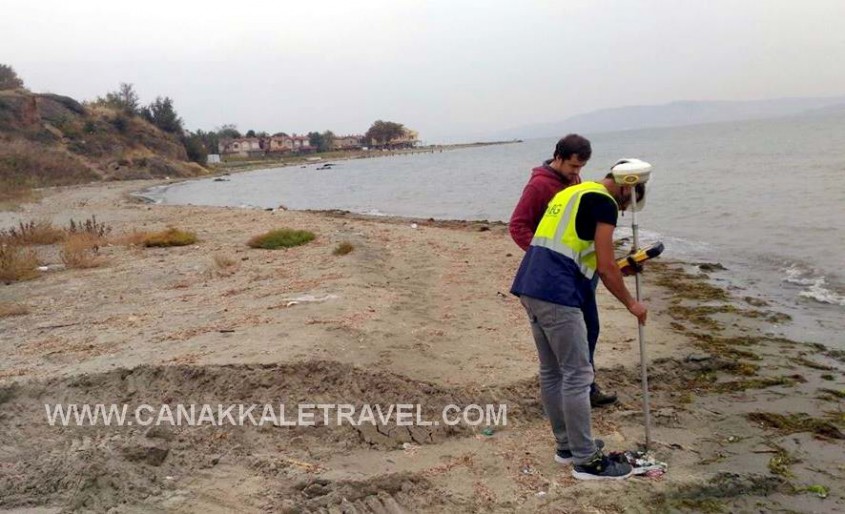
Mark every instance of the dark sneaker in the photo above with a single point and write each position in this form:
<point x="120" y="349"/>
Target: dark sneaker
<point x="600" y="399"/>
<point x="602" y="468"/>
<point x="565" y="456"/>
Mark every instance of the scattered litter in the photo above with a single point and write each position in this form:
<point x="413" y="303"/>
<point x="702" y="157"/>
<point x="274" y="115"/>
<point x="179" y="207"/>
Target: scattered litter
<point x="527" y="470"/>
<point x="414" y="225"/>
<point x="409" y="448"/>
<point x="489" y="431"/>
<point x="51" y="267"/>
<point x="290" y="302"/>
<point x="643" y="463"/>
<point x="540" y="494"/>
<point x="305" y="466"/>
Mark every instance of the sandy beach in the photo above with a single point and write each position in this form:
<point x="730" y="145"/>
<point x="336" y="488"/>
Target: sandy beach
<point x="418" y="313"/>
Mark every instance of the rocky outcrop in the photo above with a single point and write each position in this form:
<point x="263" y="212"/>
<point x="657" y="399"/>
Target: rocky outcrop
<point x="97" y="142"/>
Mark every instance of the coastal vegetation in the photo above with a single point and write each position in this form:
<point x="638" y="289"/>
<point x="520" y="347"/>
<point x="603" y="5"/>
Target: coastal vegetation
<point x="281" y="238"/>
<point x="81" y="251"/>
<point x="17" y="263"/>
<point x="9" y="78"/>
<point x="79" y="245"/>
<point x="343" y="248"/>
<point x="53" y="140"/>
<point x="167" y="238"/>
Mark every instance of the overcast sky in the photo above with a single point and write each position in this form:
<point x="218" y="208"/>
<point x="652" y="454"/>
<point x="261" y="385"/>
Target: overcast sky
<point x="446" y="68"/>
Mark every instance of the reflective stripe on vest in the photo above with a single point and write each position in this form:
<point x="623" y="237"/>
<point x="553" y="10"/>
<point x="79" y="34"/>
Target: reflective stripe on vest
<point x="557" y="230"/>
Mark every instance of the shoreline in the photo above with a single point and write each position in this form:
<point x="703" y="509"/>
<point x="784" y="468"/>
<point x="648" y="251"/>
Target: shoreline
<point x="411" y="314"/>
<point x="238" y="164"/>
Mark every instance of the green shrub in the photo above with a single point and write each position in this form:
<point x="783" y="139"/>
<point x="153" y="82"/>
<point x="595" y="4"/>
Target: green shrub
<point x="282" y="238"/>
<point x="121" y="123"/>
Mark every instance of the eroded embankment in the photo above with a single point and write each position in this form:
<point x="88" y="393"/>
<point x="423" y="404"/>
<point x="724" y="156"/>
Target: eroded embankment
<point x="100" y="466"/>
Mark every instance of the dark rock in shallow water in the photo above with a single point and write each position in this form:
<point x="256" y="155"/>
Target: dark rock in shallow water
<point x="710" y="266"/>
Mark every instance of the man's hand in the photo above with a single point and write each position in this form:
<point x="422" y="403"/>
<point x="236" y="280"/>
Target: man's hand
<point x="639" y="310"/>
<point x="610" y="273"/>
<point x="630" y="270"/>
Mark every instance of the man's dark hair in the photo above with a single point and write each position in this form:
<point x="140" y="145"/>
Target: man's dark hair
<point x="573" y="144"/>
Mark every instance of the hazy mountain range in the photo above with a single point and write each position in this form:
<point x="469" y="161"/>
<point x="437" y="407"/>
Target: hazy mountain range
<point x="672" y="115"/>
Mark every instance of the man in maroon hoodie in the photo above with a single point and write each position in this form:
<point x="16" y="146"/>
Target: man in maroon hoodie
<point x="563" y="170"/>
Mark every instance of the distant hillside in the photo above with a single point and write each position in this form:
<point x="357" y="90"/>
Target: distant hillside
<point x="48" y="139"/>
<point x="672" y="115"/>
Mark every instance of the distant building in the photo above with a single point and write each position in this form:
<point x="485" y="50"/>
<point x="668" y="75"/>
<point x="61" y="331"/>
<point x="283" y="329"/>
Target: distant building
<point x="300" y="144"/>
<point x="279" y="144"/>
<point x="243" y="146"/>
<point x="347" y="142"/>
<point x="256" y="146"/>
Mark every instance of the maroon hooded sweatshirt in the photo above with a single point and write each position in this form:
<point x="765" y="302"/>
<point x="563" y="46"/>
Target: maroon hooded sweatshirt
<point x="543" y="185"/>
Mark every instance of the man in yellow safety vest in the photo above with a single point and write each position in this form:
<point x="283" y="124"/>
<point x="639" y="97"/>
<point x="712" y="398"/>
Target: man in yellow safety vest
<point x="571" y="250"/>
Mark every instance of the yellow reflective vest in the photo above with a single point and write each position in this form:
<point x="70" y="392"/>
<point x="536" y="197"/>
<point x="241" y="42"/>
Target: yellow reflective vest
<point x="557" y="232"/>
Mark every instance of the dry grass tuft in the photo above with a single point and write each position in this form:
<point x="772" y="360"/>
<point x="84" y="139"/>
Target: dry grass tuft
<point x="343" y="248"/>
<point x="17" y="263"/>
<point x="223" y="266"/>
<point x="41" y="232"/>
<point x="12" y="197"/>
<point x="8" y="309"/>
<point x="81" y="251"/>
<point x="28" y="164"/>
<point x="224" y="261"/>
<point x="89" y="226"/>
<point x="170" y="237"/>
<point x="135" y="238"/>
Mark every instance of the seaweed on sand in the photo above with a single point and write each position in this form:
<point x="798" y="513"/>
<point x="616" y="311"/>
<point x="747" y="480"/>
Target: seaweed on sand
<point x="798" y="422"/>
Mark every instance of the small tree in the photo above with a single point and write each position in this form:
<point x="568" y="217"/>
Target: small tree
<point x="328" y="141"/>
<point x="229" y="130"/>
<point x="210" y="140"/>
<point x="195" y="147"/>
<point x="162" y="114"/>
<point x="8" y="78"/>
<point x="382" y="132"/>
<point x="250" y="133"/>
<point x="124" y="99"/>
<point x="315" y="140"/>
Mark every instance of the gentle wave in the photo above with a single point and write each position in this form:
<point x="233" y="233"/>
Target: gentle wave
<point x="816" y="286"/>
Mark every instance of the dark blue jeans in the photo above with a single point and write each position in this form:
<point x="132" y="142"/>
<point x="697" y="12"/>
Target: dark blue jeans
<point x="590" y="310"/>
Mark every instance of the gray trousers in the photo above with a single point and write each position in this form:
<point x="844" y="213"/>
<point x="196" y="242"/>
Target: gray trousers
<point x="560" y="334"/>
